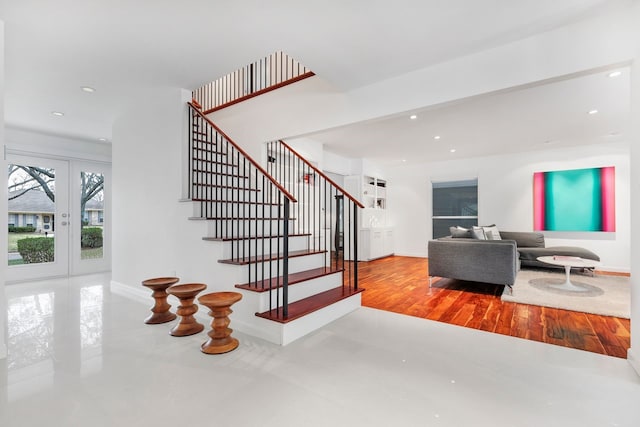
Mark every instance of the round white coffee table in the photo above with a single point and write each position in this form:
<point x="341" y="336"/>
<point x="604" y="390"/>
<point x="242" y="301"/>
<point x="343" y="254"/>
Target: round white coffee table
<point x="568" y="262"/>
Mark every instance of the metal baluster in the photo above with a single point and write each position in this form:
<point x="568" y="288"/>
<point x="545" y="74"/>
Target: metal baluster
<point x="322" y="219"/>
<point x="280" y="213"/>
<point x="263" y="214"/>
<point x="190" y="152"/>
<point x="315" y="207"/>
<point x="270" y="252"/>
<point x="355" y="246"/>
<point x="243" y="215"/>
<point x="254" y="221"/>
<point x="285" y="262"/>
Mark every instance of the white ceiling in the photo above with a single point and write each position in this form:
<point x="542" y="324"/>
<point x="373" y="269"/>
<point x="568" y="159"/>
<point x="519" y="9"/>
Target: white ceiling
<point x="123" y="48"/>
<point x="533" y="118"/>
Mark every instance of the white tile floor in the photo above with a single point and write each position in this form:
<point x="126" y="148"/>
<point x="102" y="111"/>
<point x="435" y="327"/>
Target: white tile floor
<point x="81" y="356"/>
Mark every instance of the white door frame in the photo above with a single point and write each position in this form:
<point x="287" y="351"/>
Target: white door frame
<point x="67" y="237"/>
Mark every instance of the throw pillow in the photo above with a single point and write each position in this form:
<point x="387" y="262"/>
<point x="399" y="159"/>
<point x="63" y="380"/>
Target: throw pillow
<point x="478" y="233"/>
<point x="460" y="232"/>
<point x="491" y="232"/>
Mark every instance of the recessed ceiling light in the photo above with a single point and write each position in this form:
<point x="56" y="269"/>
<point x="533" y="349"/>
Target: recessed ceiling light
<point x="413" y="117"/>
<point x="614" y="133"/>
<point x="592" y="112"/>
<point x="404" y="160"/>
<point x="87" y="89"/>
<point x="57" y="113"/>
<point x="102" y="139"/>
<point x="436" y="137"/>
<point x="453" y="150"/>
<point x="615" y="74"/>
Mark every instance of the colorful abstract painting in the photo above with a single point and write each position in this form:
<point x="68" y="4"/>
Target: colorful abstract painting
<point x="574" y="200"/>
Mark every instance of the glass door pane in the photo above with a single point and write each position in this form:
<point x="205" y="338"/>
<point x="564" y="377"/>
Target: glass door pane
<point x="32" y="207"/>
<point x="90" y="234"/>
<point x="92" y="215"/>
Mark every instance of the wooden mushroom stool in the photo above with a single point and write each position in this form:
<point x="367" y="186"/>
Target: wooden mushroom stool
<point x="160" y="310"/>
<point x="186" y="293"/>
<point x="219" y="304"/>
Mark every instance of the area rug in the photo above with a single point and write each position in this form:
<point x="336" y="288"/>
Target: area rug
<point x="606" y="295"/>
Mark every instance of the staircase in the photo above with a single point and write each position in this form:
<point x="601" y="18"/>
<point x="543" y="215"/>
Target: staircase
<point x="289" y="230"/>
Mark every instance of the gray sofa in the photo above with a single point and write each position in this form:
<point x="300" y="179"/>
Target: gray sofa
<point x="493" y="261"/>
<point x="487" y="261"/>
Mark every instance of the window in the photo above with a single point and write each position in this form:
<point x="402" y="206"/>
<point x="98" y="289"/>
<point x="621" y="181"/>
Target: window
<point x="454" y="203"/>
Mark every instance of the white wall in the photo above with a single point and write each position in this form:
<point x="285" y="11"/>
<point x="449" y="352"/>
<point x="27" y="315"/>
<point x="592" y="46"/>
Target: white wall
<point x="147" y="184"/>
<point x="3" y="210"/>
<point x="505" y="197"/>
<point x="336" y="164"/>
<point x="634" y="351"/>
<point x="152" y="233"/>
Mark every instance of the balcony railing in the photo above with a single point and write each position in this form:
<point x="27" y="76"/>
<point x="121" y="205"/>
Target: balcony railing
<point x="264" y="75"/>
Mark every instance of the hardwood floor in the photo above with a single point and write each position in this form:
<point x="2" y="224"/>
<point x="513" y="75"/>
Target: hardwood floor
<point x="401" y="285"/>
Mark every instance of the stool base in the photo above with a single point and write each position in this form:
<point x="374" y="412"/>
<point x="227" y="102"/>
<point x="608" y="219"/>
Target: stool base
<point x="157" y="318"/>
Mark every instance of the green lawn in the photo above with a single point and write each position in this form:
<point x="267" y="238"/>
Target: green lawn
<point x="14" y="237"/>
<point x="91" y="253"/>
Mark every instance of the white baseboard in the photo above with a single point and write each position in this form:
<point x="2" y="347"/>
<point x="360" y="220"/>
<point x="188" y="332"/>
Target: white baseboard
<point x="633" y="361"/>
<point x="136" y="293"/>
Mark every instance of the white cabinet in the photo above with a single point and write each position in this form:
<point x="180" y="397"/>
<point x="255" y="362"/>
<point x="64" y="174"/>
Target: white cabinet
<point x="375" y="235"/>
<point x="375" y="243"/>
<point x="387" y="242"/>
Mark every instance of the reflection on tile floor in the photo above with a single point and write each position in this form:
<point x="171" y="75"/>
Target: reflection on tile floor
<point x="79" y="355"/>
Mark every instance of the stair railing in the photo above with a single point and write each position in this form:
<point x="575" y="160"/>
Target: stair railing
<point x="244" y="205"/>
<point x="266" y="74"/>
<point x="324" y="210"/>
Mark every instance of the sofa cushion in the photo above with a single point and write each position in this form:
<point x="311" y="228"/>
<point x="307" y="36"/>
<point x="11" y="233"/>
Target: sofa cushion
<point x="458" y="232"/>
<point x="478" y="233"/>
<point x="491" y="232"/>
<point x="525" y="239"/>
<point x="529" y="256"/>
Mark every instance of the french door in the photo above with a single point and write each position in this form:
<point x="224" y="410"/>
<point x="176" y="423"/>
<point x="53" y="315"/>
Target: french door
<point x="56" y="213"/>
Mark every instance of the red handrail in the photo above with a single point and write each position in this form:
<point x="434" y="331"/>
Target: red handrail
<point x="261" y="92"/>
<point x="244" y="153"/>
<point x="319" y="172"/>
